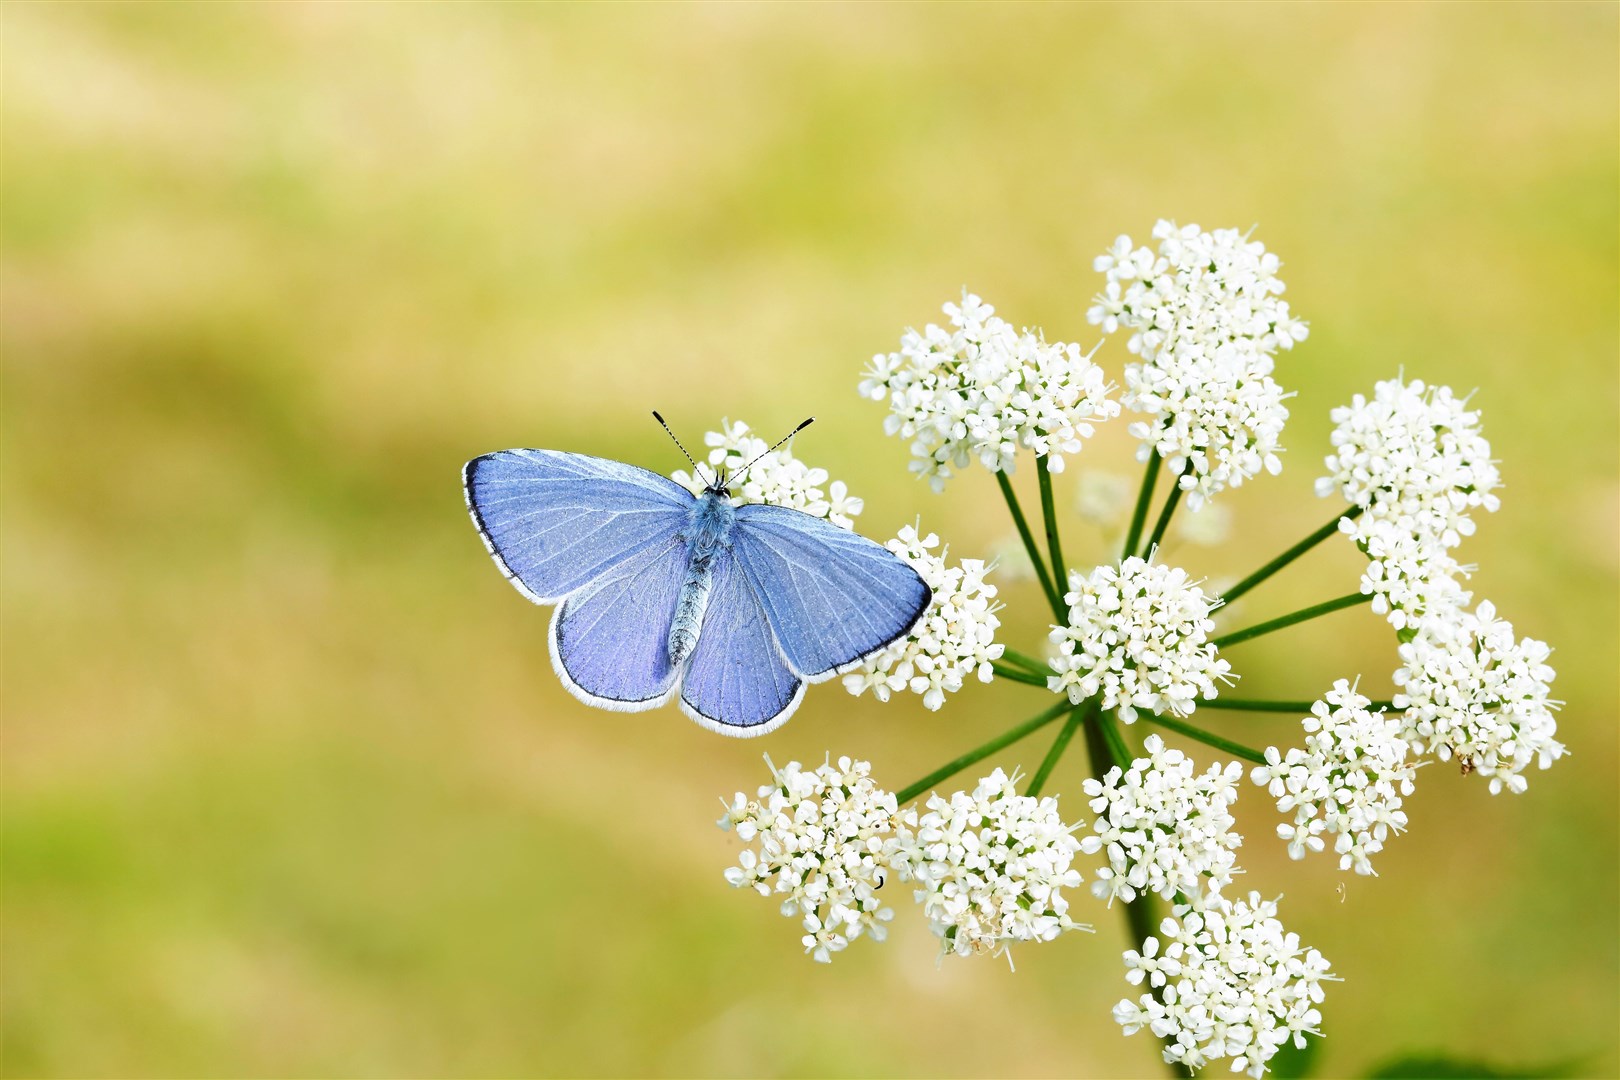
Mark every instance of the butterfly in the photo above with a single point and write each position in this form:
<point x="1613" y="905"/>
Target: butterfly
<point x="660" y="592"/>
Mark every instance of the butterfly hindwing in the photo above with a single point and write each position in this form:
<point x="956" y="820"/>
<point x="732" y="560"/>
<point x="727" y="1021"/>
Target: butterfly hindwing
<point x="736" y="681"/>
<point x="609" y="640"/>
<point x="830" y="595"/>
<point x="555" y="522"/>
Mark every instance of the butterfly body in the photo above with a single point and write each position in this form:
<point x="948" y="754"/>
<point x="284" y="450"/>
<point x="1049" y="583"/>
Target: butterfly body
<point x="708" y="538"/>
<point x="660" y="593"/>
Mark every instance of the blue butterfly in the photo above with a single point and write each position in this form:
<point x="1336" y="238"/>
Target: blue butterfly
<point x="661" y="592"/>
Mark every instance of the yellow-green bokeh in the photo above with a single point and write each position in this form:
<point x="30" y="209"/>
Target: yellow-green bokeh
<point x="290" y="787"/>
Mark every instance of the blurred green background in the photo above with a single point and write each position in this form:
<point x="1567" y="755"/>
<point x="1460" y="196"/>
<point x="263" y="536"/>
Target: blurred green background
<point x="289" y="786"/>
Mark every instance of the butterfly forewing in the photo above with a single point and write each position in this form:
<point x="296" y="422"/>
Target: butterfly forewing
<point x="555" y="522"/>
<point x="830" y="595"/>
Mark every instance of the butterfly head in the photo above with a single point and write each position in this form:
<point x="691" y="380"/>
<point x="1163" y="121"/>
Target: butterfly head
<point x="721" y="483"/>
<point x="721" y="479"/>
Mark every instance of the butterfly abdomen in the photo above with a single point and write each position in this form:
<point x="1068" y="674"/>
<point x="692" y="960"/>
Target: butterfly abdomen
<point x="708" y="534"/>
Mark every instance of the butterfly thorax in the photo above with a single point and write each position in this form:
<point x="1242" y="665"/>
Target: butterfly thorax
<point x="707" y="535"/>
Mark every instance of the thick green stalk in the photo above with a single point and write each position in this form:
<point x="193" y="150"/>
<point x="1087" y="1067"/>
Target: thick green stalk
<point x="1327" y="607"/>
<point x="972" y="757"/>
<point x="1143" y="497"/>
<point x="1007" y="671"/>
<point x="1060" y="744"/>
<point x="1052" y="596"/>
<point x="1116" y="742"/>
<point x="1181" y="727"/>
<point x="1290" y="555"/>
<point x="1060" y="569"/>
<point x="1164" y="520"/>
<point x="1141" y="918"/>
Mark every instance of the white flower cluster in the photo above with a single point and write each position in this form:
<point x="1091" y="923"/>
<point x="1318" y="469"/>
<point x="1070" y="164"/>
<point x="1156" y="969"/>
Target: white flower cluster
<point x="1348" y="780"/>
<point x="1412" y="454"/>
<point x="982" y="390"/>
<point x="1206" y="318"/>
<point x="1232" y="984"/>
<point x="1413" y="459"/>
<point x="777" y="478"/>
<point x="1164" y="828"/>
<point x="1138" y="635"/>
<point x="1409" y="576"/>
<point x="1472" y="692"/>
<point x="1200" y="289"/>
<point x="824" y="843"/>
<point x="991" y="867"/>
<point x="1214" y="420"/>
<point x="955" y="638"/>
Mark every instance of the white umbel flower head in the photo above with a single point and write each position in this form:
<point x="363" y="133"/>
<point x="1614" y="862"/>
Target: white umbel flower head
<point x="981" y="391"/>
<point x="822" y="842"/>
<point x="1472" y="692"/>
<point x="1232" y="984"/>
<point x="1163" y="828"/>
<point x="1200" y="289"/>
<point x="991" y="866"/>
<point x="1410" y="576"/>
<point x="1212" y="415"/>
<point x="1206" y="318"/>
<point x="954" y="639"/>
<point x="777" y="478"/>
<point x="1138" y="635"/>
<point x="1348" y="781"/>
<point x="1412" y="455"/>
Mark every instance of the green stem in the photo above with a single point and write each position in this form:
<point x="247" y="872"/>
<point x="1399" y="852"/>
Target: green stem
<point x="972" y="757"/>
<point x="1299" y="707"/>
<point x="1141" y="920"/>
<point x="1327" y="607"/>
<point x="1007" y="671"/>
<point x="1116" y="742"/>
<point x="1252" y="705"/>
<point x="1141" y="923"/>
<point x="1060" y="570"/>
<point x="1060" y="744"/>
<point x="1028" y="538"/>
<point x="1290" y="555"/>
<point x="1039" y="667"/>
<point x="1236" y="749"/>
<point x="1164" y="520"/>
<point x="1139" y="515"/>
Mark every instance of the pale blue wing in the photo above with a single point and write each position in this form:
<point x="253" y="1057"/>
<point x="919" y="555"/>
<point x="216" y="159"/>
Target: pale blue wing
<point x="610" y="640"/>
<point x="831" y="597"/>
<point x="736" y="681"/>
<point x="556" y="522"/>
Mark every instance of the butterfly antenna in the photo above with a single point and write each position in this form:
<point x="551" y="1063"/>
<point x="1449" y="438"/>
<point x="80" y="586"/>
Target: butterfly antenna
<point x="696" y="468"/>
<point x="738" y="475"/>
